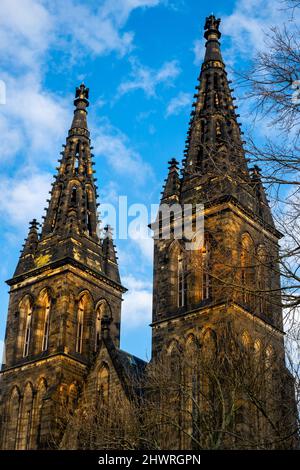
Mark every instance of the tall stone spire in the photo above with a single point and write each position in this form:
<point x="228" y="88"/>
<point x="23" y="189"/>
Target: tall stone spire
<point x="171" y="190"/>
<point x="214" y="145"/>
<point x="70" y="226"/>
<point x="72" y="207"/>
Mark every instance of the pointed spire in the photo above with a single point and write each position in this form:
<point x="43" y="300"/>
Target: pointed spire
<point x="111" y="268"/>
<point x="214" y="145"/>
<point x="262" y="204"/>
<point x="171" y="191"/>
<point x="29" y="248"/>
<point x="72" y="207"/>
<point x="32" y="239"/>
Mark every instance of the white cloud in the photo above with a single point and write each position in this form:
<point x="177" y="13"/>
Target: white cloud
<point x="249" y="23"/>
<point x="25" y="32"/>
<point x="137" y="305"/>
<point x="34" y="120"/>
<point x="112" y="144"/>
<point x="179" y="102"/>
<point x="38" y="119"/>
<point x="145" y="246"/>
<point x="23" y="197"/>
<point x="147" y="79"/>
<point x="99" y="29"/>
<point x="198" y="50"/>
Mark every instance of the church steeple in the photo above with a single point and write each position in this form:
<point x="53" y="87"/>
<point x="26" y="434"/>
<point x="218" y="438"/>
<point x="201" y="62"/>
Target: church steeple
<point x="214" y="144"/>
<point x="72" y="207"/>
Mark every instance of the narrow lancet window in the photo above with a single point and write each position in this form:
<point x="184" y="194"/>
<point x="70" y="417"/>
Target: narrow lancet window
<point x="79" y="335"/>
<point x="46" y="325"/>
<point x="27" y="335"/>
<point x="182" y="286"/>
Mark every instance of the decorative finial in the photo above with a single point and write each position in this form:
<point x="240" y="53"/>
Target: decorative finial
<point x="173" y="163"/>
<point x="108" y="232"/>
<point x="81" y="95"/>
<point x="212" y="27"/>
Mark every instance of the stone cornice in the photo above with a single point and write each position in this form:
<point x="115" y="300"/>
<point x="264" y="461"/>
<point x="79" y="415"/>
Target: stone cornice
<point x="62" y="263"/>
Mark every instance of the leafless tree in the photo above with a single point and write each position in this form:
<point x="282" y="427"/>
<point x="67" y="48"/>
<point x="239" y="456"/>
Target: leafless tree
<point x="215" y="395"/>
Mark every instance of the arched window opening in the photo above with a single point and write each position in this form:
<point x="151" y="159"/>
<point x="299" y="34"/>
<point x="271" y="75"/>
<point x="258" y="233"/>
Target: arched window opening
<point x="247" y="270"/>
<point x="13" y="420"/>
<point x="262" y="279"/>
<point x="56" y="204"/>
<point x="218" y="130"/>
<point x="80" y="317"/>
<point x="27" y="335"/>
<point x="205" y="271"/>
<point x="89" y="212"/>
<point x="72" y="397"/>
<point x="74" y="196"/>
<point x="46" y="311"/>
<point x="76" y="159"/>
<point x="100" y="312"/>
<point x="38" y="410"/>
<point x="182" y="282"/>
<point x="26" y="419"/>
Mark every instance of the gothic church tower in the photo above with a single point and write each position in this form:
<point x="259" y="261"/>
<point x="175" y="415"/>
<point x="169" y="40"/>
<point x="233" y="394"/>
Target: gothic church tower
<point x="66" y="285"/>
<point x="231" y="280"/>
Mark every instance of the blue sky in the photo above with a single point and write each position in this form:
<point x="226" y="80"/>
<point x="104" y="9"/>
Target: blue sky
<point x="140" y="59"/>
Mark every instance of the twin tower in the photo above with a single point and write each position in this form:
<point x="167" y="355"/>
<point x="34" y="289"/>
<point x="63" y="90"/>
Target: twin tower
<point x="63" y="324"/>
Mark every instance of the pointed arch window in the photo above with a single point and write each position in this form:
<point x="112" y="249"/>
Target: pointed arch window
<point x="100" y="312"/>
<point x="13" y="419"/>
<point x="25" y="432"/>
<point x="182" y="282"/>
<point x="80" y="318"/>
<point x="47" y="306"/>
<point x="76" y="159"/>
<point x="247" y="270"/>
<point x="88" y="211"/>
<point x="262" y="278"/>
<point x="206" y="270"/>
<point x="38" y="410"/>
<point x="27" y="334"/>
<point x="74" y="195"/>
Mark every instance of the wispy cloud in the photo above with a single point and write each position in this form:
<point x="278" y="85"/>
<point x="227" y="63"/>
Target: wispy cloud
<point x="137" y="305"/>
<point x="35" y="120"/>
<point x="23" y="196"/>
<point x="198" y="49"/>
<point x="147" y="79"/>
<point x="178" y="103"/>
<point x="113" y="145"/>
<point x="248" y="25"/>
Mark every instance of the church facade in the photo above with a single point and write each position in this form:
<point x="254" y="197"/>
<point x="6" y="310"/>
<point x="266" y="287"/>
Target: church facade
<point x="63" y="324"/>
